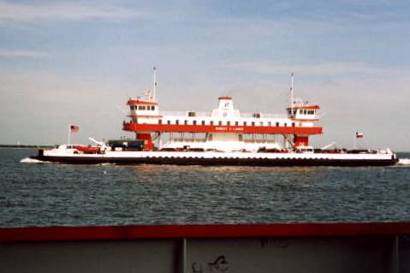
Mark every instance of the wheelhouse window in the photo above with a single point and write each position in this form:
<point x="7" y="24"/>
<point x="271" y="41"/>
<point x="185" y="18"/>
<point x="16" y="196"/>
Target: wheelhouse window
<point x="256" y="115"/>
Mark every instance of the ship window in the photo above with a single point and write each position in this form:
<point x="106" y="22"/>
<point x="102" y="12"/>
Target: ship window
<point x="219" y="123"/>
<point x="141" y="107"/>
<point x="240" y="137"/>
<point x="185" y="122"/>
<point x="269" y="123"/>
<point x="293" y="124"/>
<point x="168" y="122"/>
<point x="228" y="123"/>
<point x="256" y="115"/>
<point x="212" y="122"/>
<point x="300" y="111"/>
<point x="244" y="123"/>
<point x="261" y="123"/>
<point x="160" y="121"/>
<point x="194" y="122"/>
<point x="177" y="121"/>
<point x="285" y="124"/>
<point x="203" y="122"/>
<point x="277" y="124"/>
<point x="236" y="123"/>
<point x="152" y="108"/>
<point x="253" y="123"/>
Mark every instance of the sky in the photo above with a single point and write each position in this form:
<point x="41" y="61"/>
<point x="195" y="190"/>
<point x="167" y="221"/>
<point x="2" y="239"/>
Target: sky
<point x="77" y="62"/>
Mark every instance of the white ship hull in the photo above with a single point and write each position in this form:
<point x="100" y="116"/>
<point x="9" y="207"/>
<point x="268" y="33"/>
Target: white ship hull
<point x="221" y="158"/>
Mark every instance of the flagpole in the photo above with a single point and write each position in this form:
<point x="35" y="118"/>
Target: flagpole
<point x="354" y="141"/>
<point x="69" y="134"/>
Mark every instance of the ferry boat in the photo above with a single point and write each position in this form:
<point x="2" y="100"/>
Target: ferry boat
<point x="223" y="136"/>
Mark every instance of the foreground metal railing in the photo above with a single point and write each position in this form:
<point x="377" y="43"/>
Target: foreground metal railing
<point x="321" y="247"/>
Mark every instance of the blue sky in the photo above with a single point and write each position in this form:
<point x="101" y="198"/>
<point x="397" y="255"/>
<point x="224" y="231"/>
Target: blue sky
<point x="77" y="62"/>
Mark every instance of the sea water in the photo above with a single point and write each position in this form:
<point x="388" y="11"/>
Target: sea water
<point x="58" y="194"/>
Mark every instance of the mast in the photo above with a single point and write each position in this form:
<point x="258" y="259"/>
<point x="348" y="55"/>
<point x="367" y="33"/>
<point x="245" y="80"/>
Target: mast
<point x="154" y="92"/>
<point x="291" y="93"/>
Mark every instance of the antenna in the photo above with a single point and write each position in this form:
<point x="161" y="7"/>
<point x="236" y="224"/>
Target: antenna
<point x="291" y="91"/>
<point x="154" y="92"/>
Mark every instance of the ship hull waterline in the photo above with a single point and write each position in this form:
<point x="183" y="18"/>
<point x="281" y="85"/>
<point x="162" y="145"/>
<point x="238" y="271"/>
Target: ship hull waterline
<point x="221" y="161"/>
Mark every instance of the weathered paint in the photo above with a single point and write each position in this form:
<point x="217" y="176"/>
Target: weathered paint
<point x="365" y="247"/>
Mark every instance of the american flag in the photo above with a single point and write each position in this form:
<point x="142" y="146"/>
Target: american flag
<point x="359" y="135"/>
<point x="74" y="128"/>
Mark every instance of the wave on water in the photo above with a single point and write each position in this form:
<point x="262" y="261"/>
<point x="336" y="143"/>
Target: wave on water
<point x="31" y="160"/>
<point x="404" y="161"/>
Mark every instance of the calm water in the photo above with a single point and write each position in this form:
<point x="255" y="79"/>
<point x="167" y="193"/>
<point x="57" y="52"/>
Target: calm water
<point x="52" y="194"/>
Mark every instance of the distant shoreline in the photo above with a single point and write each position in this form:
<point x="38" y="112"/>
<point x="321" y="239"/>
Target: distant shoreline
<point x="26" y="146"/>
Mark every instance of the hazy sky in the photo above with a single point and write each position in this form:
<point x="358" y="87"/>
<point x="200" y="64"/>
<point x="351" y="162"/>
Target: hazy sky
<point x="78" y="62"/>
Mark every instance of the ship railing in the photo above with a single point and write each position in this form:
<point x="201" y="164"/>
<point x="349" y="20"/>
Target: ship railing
<point x="185" y="114"/>
<point x="187" y="140"/>
<point x="192" y="114"/>
<point x="267" y="141"/>
<point x="263" y="115"/>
